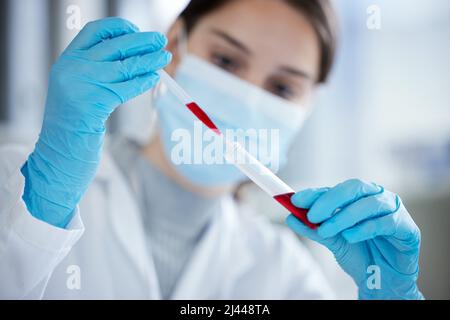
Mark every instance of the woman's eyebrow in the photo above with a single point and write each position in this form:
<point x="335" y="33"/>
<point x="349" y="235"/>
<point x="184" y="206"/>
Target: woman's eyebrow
<point x="297" y="72"/>
<point x="232" y="41"/>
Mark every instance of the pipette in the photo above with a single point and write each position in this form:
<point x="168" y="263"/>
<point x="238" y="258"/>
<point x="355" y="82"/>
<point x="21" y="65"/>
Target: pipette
<point x="247" y="163"/>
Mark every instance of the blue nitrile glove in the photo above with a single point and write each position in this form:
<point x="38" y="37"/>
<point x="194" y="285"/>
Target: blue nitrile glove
<point x="370" y="233"/>
<point x="108" y="63"/>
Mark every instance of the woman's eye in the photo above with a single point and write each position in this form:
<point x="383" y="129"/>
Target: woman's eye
<point x="282" y="90"/>
<point x="225" y="62"/>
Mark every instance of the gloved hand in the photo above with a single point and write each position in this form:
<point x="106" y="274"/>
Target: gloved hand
<point x="108" y="63"/>
<point x="370" y="233"/>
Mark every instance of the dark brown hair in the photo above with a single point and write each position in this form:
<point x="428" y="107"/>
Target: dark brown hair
<point x="319" y="12"/>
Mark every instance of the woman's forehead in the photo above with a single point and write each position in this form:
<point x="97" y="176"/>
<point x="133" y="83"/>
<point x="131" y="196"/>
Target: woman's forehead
<point x="274" y="31"/>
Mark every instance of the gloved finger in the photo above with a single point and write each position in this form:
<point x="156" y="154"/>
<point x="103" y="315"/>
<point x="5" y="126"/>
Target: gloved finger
<point x="366" y="208"/>
<point x="124" y="70"/>
<point x="126" y="46"/>
<point x="130" y="89"/>
<point x="99" y="30"/>
<point x="381" y="226"/>
<point x="398" y="228"/>
<point x="305" y="198"/>
<point x="340" y="196"/>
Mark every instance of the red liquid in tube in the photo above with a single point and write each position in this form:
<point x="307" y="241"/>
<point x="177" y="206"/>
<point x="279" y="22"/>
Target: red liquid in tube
<point x="283" y="199"/>
<point x="202" y="116"/>
<point x="299" y="213"/>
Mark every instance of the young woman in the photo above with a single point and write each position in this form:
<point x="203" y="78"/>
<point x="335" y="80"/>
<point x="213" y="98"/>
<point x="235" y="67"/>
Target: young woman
<point x="136" y="223"/>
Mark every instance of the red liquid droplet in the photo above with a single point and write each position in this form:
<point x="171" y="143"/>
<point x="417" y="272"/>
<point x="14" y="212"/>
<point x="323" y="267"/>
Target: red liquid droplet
<point x="299" y="213"/>
<point x="202" y="116"/>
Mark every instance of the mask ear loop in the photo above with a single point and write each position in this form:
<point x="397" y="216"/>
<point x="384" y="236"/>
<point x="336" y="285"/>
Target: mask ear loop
<point x="160" y="88"/>
<point x="182" y="40"/>
<point x="155" y="93"/>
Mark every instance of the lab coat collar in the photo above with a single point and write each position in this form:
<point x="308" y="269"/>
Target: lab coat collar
<point x="126" y="223"/>
<point x="218" y="260"/>
<point x="219" y="247"/>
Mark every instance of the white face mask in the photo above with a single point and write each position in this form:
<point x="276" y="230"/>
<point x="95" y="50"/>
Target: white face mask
<point x="231" y="103"/>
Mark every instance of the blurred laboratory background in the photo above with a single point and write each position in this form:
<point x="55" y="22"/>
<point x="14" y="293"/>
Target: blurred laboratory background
<point x="384" y="116"/>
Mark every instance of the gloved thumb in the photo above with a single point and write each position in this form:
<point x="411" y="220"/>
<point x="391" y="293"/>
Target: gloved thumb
<point x="301" y="229"/>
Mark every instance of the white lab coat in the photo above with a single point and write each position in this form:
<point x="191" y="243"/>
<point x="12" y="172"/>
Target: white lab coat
<point x="103" y="253"/>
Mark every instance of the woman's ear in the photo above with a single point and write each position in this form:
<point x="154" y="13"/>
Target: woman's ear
<point x="175" y="37"/>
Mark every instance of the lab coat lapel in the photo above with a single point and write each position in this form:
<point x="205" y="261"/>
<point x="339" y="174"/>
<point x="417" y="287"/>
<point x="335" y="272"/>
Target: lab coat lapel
<point x="218" y="259"/>
<point x="126" y="224"/>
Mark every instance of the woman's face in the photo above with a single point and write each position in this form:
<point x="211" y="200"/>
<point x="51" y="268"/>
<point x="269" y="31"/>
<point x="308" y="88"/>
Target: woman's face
<point x="267" y="43"/>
